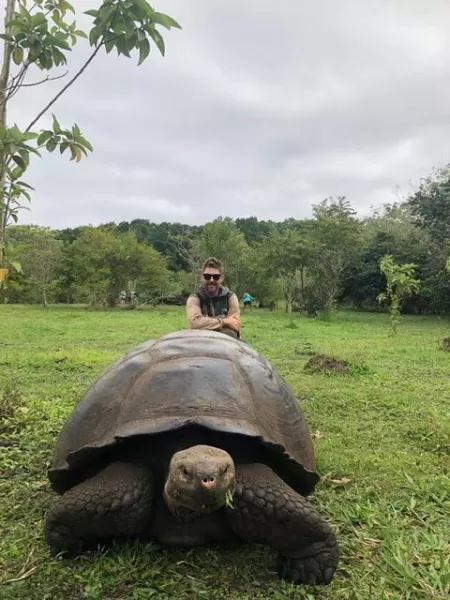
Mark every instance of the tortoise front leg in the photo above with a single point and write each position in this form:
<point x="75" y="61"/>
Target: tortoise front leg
<point x="266" y="510"/>
<point x="116" y="502"/>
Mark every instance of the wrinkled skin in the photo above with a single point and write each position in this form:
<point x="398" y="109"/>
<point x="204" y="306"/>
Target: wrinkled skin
<point x="198" y="481"/>
<point x="124" y="499"/>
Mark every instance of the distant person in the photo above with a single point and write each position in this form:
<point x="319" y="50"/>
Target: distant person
<point x="214" y="306"/>
<point x="247" y="300"/>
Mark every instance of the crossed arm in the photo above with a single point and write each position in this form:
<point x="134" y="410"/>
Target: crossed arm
<point x="199" y="321"/>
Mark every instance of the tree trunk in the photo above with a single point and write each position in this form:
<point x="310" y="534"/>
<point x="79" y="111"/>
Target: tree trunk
<point x="44" y="296"/>
<point x="289" y="310"/>
<point x="302" y="282"/>
<point x="4" y="77"/>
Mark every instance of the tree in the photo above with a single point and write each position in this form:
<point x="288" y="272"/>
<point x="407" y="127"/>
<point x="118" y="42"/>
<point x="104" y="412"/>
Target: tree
<point x="390" y="230"/>
<point x="286" y="254"/>
<point x="430" y="204"/>
<point x="335" y="246"/>
<point x="40" y="34"/>
<point x="221" y="238"/>
<point x="400" y="283"/>
<point x="253" y="229"/>
<point x="105" y="262"/>
<point x="40" y="259"/>
<point x="188" y="249"/>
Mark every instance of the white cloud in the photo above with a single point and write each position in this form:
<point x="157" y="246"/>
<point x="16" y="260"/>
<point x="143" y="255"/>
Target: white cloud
<point x="258" y="109"/>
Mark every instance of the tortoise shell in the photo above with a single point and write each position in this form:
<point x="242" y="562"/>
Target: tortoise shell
<point x="185" y="378"/>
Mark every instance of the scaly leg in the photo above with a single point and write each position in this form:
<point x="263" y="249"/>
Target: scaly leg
<point x="116" y="502"/>
<point x="266" y="510"/>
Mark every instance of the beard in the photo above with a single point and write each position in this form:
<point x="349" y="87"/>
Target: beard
<point x="211" y="288"/>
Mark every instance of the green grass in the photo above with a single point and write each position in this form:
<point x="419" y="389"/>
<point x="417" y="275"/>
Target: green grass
<point x="381" y="433"/>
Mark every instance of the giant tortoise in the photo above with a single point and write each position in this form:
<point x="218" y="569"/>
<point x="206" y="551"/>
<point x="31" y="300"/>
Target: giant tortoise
<point x="188" y="439"/>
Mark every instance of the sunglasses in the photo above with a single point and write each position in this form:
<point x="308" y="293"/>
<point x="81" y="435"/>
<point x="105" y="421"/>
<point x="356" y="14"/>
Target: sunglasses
<point x="208" y="276"/>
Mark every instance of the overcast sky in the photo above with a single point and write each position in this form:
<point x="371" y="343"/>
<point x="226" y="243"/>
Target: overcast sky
<point x="258" y="108"/>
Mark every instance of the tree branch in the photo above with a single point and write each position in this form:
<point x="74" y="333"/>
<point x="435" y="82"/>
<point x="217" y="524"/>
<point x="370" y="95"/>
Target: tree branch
<point x="62" y="90"/>
<point x="48" y="78"/>
<point x="4" y="76"/>
<point x="74" y="78"/>
<point x="16" y="82"/>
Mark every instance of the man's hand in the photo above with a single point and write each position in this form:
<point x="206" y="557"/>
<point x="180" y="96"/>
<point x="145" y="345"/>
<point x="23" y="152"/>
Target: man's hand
<point x="232" y="322"/>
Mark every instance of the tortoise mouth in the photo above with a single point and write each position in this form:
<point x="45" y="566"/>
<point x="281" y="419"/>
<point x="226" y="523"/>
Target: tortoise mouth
<point x="188" y="510"/>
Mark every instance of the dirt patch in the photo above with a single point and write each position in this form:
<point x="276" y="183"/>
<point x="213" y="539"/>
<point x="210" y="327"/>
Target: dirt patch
<point x="446" y="344"/>
<point x="327" y="364"/>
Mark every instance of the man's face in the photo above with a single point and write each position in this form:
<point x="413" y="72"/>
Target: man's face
<point x="212" y="279"/>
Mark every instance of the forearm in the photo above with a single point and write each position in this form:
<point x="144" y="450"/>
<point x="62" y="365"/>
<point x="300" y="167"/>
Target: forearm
<point x="199" y="321"/>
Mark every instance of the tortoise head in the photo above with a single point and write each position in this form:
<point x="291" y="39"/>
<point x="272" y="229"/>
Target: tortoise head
<point x="199" y="481"/>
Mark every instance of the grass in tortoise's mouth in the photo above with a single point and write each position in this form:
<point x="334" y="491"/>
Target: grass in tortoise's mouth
<point x="186" y="514"/>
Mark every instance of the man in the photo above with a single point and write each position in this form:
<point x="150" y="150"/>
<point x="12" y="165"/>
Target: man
<point x="214" y="306"/>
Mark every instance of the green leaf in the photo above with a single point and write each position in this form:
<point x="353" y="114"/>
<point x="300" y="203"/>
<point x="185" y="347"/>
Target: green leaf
<point x="140" y="9"/>
<point x="38" y="18"/>
<point x="122" y="47"/>
<point x="45" y="60"/>
<point x="59" y="57"/>
<point x="15" y="23"/>
<point x="19" y="161"/>
<point x="164" y="20"/>
<point x="141" y="35"/>
<point x="157" y="38"/>
<point x="25" y="156"/>
<point x="83" y="142"/>
<point x="56" y="16"/>
<point x="109" y="46"/>
<point x="63" y="147"/>
<point x="131" y="41"/>
<point x="35" y="51"/>
<point x="106" y="12"/>
<point x="91" y="13"/>
<point x="31" y="149"/>
<point x="80" y="33"/>
<point x="94" y="35"/>
<point x="25" y="185"/>
<point x="144" y="50"/>
<point x="57" y="41"/>
<point x="6" y="37"/>
<point x="29" y="135"/>
<point x="51" y="144"/>
<point x="16" y="265"/>
<point x="16" y="173"/>
<point x="65" y="6"/>
<point x="56" y="125"/>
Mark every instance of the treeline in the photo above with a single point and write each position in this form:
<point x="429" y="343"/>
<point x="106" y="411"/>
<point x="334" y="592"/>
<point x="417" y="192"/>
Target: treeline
<point x="311" y="264"/>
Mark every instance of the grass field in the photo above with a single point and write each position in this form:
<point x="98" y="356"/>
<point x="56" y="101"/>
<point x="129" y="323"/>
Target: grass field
<point x="382" y="437"/>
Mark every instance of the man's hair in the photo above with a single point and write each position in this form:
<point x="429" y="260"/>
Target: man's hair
<point x="213" y="263"/>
